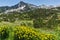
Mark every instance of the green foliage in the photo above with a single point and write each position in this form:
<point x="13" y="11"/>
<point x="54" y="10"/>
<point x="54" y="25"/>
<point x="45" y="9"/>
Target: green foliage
<point x="40" y="17"/>
<point x="23" y="33"/>
<point x="26" y="33"/>
<point x="4" y="32"/>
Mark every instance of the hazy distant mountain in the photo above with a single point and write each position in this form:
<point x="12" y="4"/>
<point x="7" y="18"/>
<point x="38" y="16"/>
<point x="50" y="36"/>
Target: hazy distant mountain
<point x="3" y="8"/>
<point x="22" y="6"/>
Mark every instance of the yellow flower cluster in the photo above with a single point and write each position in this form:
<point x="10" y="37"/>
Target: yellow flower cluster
<point x="47" y="37"/>
<point x="26" y="33"/>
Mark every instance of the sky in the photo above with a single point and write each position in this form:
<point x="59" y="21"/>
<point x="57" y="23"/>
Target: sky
<point x="35" y="2"/>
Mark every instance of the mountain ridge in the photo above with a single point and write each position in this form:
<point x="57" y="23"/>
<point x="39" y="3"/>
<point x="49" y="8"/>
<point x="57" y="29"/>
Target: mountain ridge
<point x="22" y="6"/>
<point x="19" y="5"/>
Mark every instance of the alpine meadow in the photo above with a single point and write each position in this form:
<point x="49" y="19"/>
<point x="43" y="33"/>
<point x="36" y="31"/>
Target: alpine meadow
<point x="28" y="21"/>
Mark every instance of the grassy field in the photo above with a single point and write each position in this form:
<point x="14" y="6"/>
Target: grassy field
<point x="40" y="31"/>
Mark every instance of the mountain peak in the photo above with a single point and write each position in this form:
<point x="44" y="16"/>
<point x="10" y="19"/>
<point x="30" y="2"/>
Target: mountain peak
<point x="22" y="2"/>
<point x="21" y="6"/>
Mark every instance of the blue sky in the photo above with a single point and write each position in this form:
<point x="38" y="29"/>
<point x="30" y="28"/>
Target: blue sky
<point x="35" y="2"/>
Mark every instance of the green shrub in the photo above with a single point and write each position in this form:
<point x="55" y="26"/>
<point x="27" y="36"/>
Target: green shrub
<point x="4" y="32"/>
<point x="26" y="33"/>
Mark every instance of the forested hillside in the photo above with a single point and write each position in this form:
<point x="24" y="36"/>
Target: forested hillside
<point x="40" y="17"/>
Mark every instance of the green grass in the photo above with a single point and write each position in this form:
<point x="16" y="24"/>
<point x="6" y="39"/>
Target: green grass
<point x="42" y="30"/>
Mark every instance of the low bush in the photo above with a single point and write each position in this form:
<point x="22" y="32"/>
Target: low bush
<point x="26" y="33"/>
<point x="4" y="33"/>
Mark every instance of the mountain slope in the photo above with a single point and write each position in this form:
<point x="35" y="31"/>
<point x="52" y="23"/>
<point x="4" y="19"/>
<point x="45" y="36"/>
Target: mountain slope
<point x="21" y="6"/>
